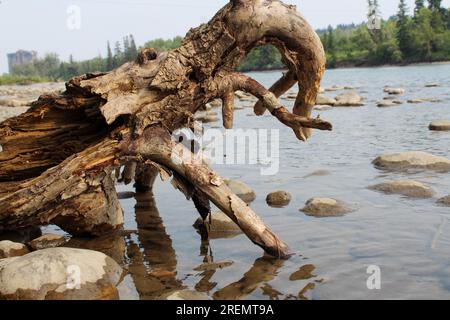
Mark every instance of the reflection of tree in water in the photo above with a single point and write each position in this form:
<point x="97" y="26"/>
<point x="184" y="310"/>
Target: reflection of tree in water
<point x="154" y="268"/>
<point x="263" y="270"/>
<point x="152" y="264"/>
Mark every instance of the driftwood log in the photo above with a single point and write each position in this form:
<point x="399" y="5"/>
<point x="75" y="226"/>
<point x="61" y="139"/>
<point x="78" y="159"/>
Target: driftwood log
<point x="58" y="160"/>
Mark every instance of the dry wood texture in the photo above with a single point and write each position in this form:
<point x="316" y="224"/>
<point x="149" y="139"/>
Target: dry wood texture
<point x="58" y="159"/>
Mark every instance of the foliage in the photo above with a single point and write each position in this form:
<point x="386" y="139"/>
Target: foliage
<point x="8" y="79"/>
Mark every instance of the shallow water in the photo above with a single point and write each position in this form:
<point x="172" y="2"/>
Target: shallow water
<point x="408" y="239"/>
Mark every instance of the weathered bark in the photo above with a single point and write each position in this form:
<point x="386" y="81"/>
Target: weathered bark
<point x="57" y="160"/>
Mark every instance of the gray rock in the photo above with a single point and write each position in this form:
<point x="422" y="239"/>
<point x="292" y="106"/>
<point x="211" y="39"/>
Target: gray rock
<point x="394" y="91"/>
<point x="325" y="207"/>
<point x="412" y="160"/>
<point x="350" y="99"/>
<point x="9" y="249"/>
<point x="47" y="241"/>
<point x="242" y="190"/>
<point x="325" y="101"/>
<point x="423" y="100"/>
<point x="441" y="125"/>
<point x="59" y="274"/>
<point x="432" y="85"/>
<point x="408" y="188"/>
<point x="445" y="201"/>
<point x="278" y="199"/>
<point x="388" y="103"/>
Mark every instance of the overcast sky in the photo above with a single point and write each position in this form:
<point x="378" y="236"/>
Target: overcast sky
<point x="42" y="25"/>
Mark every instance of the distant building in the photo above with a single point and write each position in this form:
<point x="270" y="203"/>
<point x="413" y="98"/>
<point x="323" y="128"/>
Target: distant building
<point x="20" y="57"/>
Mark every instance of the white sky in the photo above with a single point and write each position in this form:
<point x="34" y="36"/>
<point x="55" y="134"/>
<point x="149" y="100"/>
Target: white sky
<point x="41" y="25"/>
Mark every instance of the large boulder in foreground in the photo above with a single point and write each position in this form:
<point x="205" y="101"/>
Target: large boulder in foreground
<point x="53" y="274"/>
<point x="412" y="160"/>
<point x="408" y="188"/>
<point x="325" y="207"/>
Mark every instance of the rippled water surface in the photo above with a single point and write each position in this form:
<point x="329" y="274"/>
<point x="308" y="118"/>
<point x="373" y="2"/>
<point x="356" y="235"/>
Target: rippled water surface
<point x="408" y="239"/>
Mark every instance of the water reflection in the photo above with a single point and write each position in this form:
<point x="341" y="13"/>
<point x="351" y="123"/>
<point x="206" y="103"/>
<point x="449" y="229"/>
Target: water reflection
<point x="150" y="258"/>
<point x="264" y="270"/>
<point x="154" y="268"/>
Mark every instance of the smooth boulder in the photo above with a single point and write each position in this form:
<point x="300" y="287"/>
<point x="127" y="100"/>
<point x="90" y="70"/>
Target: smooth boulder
<point x="441" y="125"/>
<point x="325" y="207"/>
<point x="412" y="160"/>
<point x="60" y="274"/>
<point x="408" y="188"/>
<point x="278" y="199"/>
<point x="9" y="249"/>
<point x="350" y="99"/>
<point x="394" y="91"/>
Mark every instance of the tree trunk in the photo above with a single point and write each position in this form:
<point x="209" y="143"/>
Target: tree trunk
<point x="58" y="159"/>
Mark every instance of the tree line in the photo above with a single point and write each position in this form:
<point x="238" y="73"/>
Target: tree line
<point x="423" y="36"/>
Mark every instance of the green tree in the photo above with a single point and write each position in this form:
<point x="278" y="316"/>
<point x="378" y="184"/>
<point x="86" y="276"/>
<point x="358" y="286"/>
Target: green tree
<point x="109" y="58"/>
<point x="404" y="29"/>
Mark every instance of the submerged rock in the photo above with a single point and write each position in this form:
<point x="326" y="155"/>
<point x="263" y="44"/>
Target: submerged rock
<point x="445" y="201"/>
<point x="388" y="103"/>
<point x="218" y="222"/>
<point x="318" y="173"/>
<point x="350" y="99"/>
<point x="394" y="91"/>
<point x="441" y="125"/>
<point x="242" y="190"/>
<point x="278" y="199"/>
<point x="325" y="207"/>
<point x="9" y="249"/>
<point x="412" y="160"/>
<point x="59" y="274"/>
<point x="47" y="241"/>
<point x="408" y="188"/>
<point x="423" y="100"/>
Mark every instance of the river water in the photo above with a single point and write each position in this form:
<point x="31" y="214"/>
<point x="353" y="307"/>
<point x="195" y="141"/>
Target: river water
<point x="407" y="239"/>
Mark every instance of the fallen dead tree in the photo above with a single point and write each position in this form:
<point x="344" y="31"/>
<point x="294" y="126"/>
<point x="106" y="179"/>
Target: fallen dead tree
<point x="58" y="159"/>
